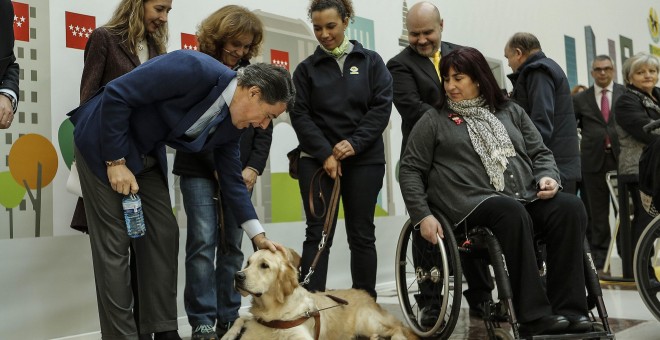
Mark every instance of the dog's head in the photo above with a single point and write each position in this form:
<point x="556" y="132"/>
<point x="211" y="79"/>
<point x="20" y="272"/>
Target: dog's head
<point x="269" y="273"/>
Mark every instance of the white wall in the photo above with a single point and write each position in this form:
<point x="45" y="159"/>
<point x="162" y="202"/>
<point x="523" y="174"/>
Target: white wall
<point x="46" y="284"/>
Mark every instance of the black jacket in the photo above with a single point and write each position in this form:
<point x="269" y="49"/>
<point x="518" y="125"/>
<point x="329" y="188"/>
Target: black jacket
<point x="540" y="86"/>
<point x="594" y="128"/>
<point x="416" y="86"/>
<point x="352" y="104"/>
<point x="8" y="67"/>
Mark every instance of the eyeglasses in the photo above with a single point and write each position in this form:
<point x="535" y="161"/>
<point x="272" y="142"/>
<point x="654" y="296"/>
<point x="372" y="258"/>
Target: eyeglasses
<point x="603" y="69"/>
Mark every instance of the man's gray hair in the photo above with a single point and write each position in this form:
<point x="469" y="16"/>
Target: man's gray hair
<point x="602" y="57"/>
<point x="526" y="42"/>
<point x="274" y="82"/>
<point x="634" y="63"/>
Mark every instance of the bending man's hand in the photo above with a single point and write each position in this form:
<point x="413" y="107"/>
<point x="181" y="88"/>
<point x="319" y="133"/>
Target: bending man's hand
<point x="430" y="228"/>
<point x="122" y="180"/>
<point x="262" y="242"/>
<point x="548" y="188"/>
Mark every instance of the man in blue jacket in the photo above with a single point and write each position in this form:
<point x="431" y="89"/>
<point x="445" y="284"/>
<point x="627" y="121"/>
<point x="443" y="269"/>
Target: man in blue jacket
<point x="8" y="67"/>
<point x="188" y="101"/>
<point x="540" y="86"/>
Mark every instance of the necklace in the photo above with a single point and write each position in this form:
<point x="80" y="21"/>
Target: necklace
<point x="140" y="46"/>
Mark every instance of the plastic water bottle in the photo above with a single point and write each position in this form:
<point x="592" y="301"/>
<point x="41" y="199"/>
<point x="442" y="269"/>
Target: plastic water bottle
<point x="133" y="216"/>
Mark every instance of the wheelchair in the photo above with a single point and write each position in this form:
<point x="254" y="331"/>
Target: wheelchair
<point x="647" y="266"/>
<point x="445" y="280"/>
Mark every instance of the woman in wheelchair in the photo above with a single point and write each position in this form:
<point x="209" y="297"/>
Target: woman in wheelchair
<point x="480" y="160"/>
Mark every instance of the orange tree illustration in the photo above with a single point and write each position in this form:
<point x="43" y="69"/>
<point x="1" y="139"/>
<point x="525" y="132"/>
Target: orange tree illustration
<point x="33" y="164"/>
<point x="11" y="196"/>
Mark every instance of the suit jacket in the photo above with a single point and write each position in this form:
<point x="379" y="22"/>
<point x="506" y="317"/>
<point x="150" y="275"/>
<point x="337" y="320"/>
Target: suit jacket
<point x="106" y="57"/>
<point x="8" y="67"/>
<point x="416" y="86"/>
<point x="594" y="128"/>
<point x="153" y="106"/>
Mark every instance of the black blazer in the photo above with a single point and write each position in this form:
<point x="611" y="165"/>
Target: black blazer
<point x="593" y="127"/>
<point x="8" y="67"/>
<point x="416" y="86"/>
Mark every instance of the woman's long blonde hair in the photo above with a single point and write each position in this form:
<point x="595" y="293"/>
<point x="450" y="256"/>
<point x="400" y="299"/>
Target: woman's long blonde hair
<point x="128" y="22"/>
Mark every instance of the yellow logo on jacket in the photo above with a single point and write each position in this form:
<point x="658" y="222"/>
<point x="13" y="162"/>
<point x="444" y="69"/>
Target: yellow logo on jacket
<point x="354" y="70"/>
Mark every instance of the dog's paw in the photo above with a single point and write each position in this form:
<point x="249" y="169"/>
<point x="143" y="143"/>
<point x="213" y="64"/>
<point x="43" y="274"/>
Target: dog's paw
<point x="235" y="331"/>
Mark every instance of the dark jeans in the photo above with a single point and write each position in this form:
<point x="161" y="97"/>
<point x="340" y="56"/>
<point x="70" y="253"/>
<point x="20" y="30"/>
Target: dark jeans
<point x="360" y="185"/>
<point x="209" y="295"/>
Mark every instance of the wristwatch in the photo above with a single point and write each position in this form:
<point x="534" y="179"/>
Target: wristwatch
<point x="121" y="161"/>
<point x="14" y="104"/>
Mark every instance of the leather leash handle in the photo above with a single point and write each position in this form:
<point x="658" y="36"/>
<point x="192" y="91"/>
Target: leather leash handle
<point x="329" y="212"/>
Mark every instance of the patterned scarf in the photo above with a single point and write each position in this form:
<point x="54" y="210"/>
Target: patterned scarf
<point x="647" y="102"/>
<point x="488" y="136"/>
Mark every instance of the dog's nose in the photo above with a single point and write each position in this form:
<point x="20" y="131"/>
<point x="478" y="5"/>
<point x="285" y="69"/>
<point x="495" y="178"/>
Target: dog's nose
<point x="239" y="276"/>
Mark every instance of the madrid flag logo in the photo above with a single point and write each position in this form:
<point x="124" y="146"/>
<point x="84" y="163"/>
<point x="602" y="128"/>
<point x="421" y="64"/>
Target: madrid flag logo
<point x="21" y="21"/>
<point x="78" y="29"/>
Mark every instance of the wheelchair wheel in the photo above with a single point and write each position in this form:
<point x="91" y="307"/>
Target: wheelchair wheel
<point x="438" y="271"/>
<point x="647" y="267"/>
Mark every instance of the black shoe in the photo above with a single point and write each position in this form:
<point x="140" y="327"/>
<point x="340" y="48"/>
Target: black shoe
<point x="222" y="328"/>
<point x="578" y="324"/>
<point x="144" y="337"/>
<point x="550" y="324"/>
<point x="428" y="316"/>
<point x="167" y="335"/>
<point x="479" y="311"/>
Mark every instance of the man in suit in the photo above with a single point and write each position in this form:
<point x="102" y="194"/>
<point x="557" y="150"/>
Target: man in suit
<point x="8" y="67"/>
<point x="593" y="110"/>
<point x="191" y="102"/>
<point x="418" y="87"/>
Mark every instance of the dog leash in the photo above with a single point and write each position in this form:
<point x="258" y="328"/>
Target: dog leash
<point x="286" y="324"/>
<point x="329" y="213"/>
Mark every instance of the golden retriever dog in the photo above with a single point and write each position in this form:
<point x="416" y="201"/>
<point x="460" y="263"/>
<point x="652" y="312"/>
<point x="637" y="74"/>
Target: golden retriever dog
<point x="278" y="301"/>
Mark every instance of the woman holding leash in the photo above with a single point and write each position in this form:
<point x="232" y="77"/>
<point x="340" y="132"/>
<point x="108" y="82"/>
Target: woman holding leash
<point x="343" y="104"/>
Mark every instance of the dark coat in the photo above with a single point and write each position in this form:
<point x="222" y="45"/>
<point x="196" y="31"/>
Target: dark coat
<point x="141" y="112"/>
<point x="631" y="116"/>
<point x="255" y="148"/>
<point x="540" y="86"/>
<point x="416" y="86"/>
<point x="9" y="69"/>
<point x="594" y="128"/>
<point x="352" y="104"/>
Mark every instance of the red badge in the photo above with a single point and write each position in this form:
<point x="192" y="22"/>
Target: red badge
<point x="78" y="29"/>
<point x="21" y="21"/>
<point x="456" y="118"/>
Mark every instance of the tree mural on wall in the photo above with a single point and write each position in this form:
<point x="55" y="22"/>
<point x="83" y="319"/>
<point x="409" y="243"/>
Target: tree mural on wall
<point x="11" y="196"/>
<point x="32" y="165"/>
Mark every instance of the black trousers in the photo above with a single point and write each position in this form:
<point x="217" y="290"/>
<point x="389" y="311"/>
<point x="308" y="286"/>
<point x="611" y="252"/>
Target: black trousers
<point x="560" y="223"/>
<point x="360" y="185"/>
<point x="598" y="208"/>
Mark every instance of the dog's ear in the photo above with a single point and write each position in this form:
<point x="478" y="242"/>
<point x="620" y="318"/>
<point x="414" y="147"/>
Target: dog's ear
<point x="294" y="258"/>
<point x="287" y="281"/>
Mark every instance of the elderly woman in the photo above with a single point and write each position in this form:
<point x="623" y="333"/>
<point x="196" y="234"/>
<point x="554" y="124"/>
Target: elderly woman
<point x="635" y="108"/>
<point x="481" y="161"/>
